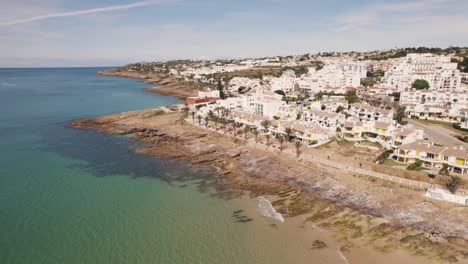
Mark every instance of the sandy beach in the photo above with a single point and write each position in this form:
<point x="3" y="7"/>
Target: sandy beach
<point x="386" y="217"/>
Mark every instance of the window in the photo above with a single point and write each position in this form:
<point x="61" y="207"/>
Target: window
<point x="430" y="155"/>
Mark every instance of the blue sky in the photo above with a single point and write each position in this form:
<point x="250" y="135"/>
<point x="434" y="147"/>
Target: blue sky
<point x="114" y="32"/>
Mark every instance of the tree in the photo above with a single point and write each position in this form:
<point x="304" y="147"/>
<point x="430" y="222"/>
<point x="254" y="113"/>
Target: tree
<point x="454" y="183"/>
<point x="193" y="117"/>
<point x="265" y="124"/>
<point x="234" y="126"/>
<point x="288" y="132"/>
<point x="186" y="110"/>
<point x="211" y="115"/>
<point x="400" y="113"/>
<point x="420" y="84"/>
<point x="216" y="121"/>
<point x="246" y="131"/>
<point x="318" y="96"/>
<point x="221" y="89"/>
<point x="351" y="97"/>
<point x="255" y="132"/>
<point x="241" y="89"/>
<point x="463" y="65"/>
<point x="339" y="109"/>
<point x="368" y="82"/>
<point x="268" y="139"/>
<point x="280" y="92"/>
<point x="298" y="145"/>
<point x="199" y="119"/>
<point x="224" y="122"/>
<point x="281" y="141"/>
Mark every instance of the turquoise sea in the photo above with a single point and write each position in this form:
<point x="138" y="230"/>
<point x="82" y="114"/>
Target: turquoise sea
<point x="74" y="196"/>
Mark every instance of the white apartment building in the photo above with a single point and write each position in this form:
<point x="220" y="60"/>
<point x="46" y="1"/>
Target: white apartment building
<point x="237" y="82"/>
<point x="438" y="71"/>
<point x="373" y="131"/>
<point x="370" y="113"/>
<point x="452" y="114"/>
<point x="406" y="135"/>
<point x="286" y="82"/>
<point x="433" y="156"/>
<point x="334" y="74"/>
<point x="289" y="112"/>
<point x="322" y="119"/>
<point x="330" y="103"/>
<point x="436" y="98"/>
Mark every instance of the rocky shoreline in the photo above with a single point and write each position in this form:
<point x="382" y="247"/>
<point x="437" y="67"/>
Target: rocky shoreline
<point x="387" y="217"/>
<point x="166" y="85"/>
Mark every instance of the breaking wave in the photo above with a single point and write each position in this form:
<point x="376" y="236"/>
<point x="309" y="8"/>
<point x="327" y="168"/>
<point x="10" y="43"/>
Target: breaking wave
<point x="266" y="209"/>
<point x="340" y="254"/>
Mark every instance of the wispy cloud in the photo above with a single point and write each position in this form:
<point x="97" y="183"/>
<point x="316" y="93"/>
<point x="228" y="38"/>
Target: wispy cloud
<point x="374" y="13"/>
<point x="81" y="12"/>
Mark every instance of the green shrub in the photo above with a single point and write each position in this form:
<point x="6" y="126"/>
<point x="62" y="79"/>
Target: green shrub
<point x="415" y="165"/>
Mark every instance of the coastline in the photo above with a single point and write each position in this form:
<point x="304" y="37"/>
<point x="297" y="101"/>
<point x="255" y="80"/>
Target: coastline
<point x="356" y="208"/>
<point x="166" y="85"/>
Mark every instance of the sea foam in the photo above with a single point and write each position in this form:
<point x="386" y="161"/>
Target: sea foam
<point x="266" y="209"/>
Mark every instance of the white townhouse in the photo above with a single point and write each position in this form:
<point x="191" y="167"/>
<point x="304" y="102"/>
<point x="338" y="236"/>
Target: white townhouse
<point x="438" y="71"/>
<point x="440" y="113"/>
<point x="322" y="119"/>
<point x="373" y="131"/>
<point x="342" y="73"/>
<point x="433" y="156"/>
<point x="308" y="134"/>
<point x="249" y="83"/>
<point x="286" y="82"/>
<point x="436" y="98"/>
<point x="330" y="103"/>
<point x="378" y="100"/>
<point x="258" y="103"/>
<point x="247" y="119"/>
<point x="311" y="135"/>
<point x="370" y="113"/>
<point x="406" y="135"/>
<point x="289" y="112"/>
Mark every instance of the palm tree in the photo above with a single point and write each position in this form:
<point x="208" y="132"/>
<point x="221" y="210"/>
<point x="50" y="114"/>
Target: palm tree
<point x="216" y="120"/>
<point x="266" y="124"/>
<point x="234" y="126"/>
<point x="206" y="121"/>
<point x="219" y="109"/>
<point x="298" y="145"/>
<point x="288" y="132"/>
<point x="268" y="139"/>
<point x="211" y="115"/>
<point x="255" y="132"/>
<point x="281" y="141"/>
<point x="246" y="131"/>
<point x="224" y="122"/>
<point x="186" y="110"/>
<point x="193" y="117"/>
<point x="199" y="119"/>
<point x="226" y="112"/>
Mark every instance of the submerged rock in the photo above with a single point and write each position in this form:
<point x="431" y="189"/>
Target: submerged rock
<point x="318" y="244"/>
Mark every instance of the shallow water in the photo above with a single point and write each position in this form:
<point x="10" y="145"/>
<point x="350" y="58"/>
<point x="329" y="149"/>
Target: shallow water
<point x="75" y="196"/>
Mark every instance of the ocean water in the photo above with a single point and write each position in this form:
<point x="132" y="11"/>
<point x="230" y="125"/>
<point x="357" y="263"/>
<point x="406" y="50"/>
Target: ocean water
<point x="76" y="196"/>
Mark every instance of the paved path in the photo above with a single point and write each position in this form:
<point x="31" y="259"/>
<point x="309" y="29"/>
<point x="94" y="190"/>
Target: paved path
<point x="438" y="134"/>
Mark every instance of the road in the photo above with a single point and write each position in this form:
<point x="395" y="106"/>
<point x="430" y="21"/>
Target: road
<point x="438" y="133"/>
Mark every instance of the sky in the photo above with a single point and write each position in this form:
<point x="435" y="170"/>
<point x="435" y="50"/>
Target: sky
<point x="54" y="33"/>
